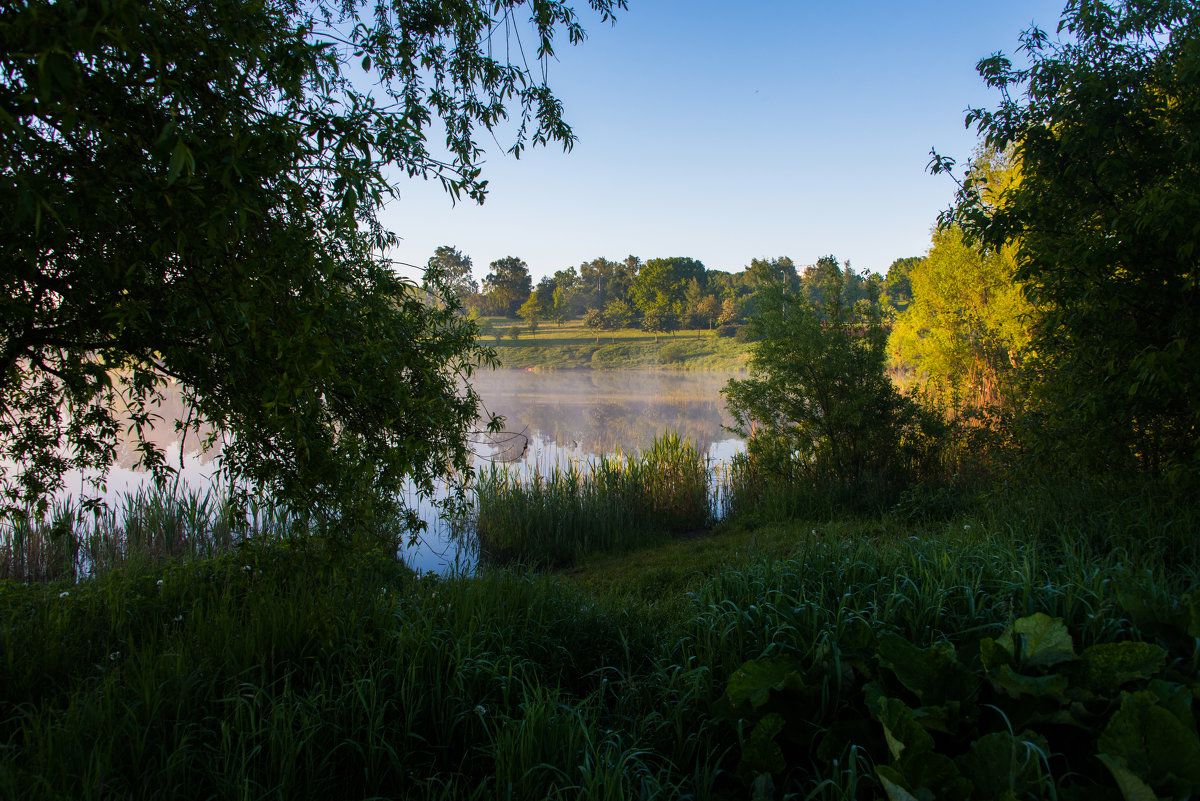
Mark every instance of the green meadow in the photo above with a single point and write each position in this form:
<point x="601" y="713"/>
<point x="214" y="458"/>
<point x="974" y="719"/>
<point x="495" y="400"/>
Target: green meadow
<point x="570" y="345"/>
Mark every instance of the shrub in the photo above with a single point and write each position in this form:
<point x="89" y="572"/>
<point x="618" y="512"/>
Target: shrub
<point x="672" y="353"/>
<point x="819" y="406"/>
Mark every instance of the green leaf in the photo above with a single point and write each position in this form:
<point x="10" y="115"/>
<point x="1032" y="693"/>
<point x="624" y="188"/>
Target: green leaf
<point x="760" y="753"/>
<point x="1002" y="766"/>
<point x="1192" y="602"/>
<point x="1105" y="667"/>
<point x="933" y="674"/>
<point x="1038" y="641"/>
<point x="181" y="157"/>
<point x="1132" y="788"/>
<point x="1017" y="685"/>
<point x="753" y="682"/>
<point x="1152" y="742"/>
<point x="891" y="781"/>
<point x="993" y="654"/>
<point x="903" y="733"/>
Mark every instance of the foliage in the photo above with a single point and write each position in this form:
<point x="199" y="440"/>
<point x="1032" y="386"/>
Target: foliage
<point x="532" y="311"/>
<point x="897" y="286"/>
<point x="659" y="318"/>
<point x="618" y="314"/>
<point x="967" y="324"/>
<point x="662" y="284"/>
<point x="1104" y="123"/>
<point x="981" y="725"/>
<point x="276" y="669"/>
<point x="672" y="353"/>
<point x="192" y="194"/>
<point x="508" y="286"/>
<point x="595" y="321"/>
<point x="819" y="405"/>
<point x="448" y="267"/>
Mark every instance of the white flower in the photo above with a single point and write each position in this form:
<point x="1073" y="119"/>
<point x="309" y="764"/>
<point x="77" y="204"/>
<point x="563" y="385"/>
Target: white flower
<point x="159" y="582"/>
<point x="63" y="594"/>
<point x="966" y="528"/>
<point x="246" y="568"/>
<point x="114" y="656"/>
<point x="480" y="710"/>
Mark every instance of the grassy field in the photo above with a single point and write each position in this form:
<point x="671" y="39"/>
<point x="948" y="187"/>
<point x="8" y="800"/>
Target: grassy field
<point x="570" y="345"/>
<point x="1029" y="641"/>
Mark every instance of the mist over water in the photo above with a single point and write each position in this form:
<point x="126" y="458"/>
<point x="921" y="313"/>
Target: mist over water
<point x="550" y="418"/>
<point x="591" y="412"/>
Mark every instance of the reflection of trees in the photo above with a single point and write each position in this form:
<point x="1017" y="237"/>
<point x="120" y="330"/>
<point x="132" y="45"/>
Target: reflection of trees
<point x="598" y="412"/>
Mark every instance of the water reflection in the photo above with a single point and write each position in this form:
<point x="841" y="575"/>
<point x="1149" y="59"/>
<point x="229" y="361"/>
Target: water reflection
<point x="550" y="418"/>
<point x="600" y="411"/>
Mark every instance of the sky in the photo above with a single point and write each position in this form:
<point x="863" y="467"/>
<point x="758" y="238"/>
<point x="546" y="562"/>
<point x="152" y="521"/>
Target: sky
<point x="728" y="131"/>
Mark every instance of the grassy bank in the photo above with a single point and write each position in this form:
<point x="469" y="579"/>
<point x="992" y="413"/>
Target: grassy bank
<point x="1037" y="641"/>
<point x="570" y="345"/>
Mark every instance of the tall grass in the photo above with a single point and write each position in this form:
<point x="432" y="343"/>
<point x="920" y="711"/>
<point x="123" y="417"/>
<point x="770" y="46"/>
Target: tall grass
<point x="613" y="502"/>
<point x="273" y="672"/>
<point x="147" y="525"/>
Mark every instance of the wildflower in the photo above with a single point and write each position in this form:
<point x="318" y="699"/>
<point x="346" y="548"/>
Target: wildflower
<point x="966" y="527"/>
<point x="480" y="710"/>
<point x="114" y="656"/>
<point x="63" y="594"/>
<point x="246" y="568"/>
<point x="814" y="532"/>
<point x="159" y="582"/>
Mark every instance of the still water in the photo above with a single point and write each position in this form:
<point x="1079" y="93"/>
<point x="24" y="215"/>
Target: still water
<point x="550" y="418"/>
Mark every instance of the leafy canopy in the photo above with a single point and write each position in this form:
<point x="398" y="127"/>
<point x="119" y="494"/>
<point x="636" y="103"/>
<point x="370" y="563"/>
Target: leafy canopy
<point x="819" y="405"/>
<point x="191" y="196"/>
<point x="1105" y="123"/>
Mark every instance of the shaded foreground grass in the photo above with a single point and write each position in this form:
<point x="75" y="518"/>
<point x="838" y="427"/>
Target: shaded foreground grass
<point x="278" y="672"/>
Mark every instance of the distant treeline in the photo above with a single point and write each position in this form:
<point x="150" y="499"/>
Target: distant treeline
<point x="657" y="295"/>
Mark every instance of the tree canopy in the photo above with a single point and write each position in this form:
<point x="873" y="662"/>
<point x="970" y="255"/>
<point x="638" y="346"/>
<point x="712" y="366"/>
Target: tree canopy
<point x="818" y="405"/>
<point x="191" y="196"/>
<point x="1105" y="123"/>
<point x="965" y="323"/>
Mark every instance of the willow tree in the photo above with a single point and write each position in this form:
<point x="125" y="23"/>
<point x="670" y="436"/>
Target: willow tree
<point x="191" y="196"/>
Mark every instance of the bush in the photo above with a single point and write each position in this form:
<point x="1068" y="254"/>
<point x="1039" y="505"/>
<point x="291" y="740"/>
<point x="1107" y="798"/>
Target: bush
<point x="744" y="334"/>
<point x="727" y="331"/>
<point x="672" y="353"/>
<point x="819" y="406"/>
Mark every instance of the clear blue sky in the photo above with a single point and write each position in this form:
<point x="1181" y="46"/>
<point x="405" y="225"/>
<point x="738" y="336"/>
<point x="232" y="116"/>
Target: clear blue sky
<point x="727" y="131"/>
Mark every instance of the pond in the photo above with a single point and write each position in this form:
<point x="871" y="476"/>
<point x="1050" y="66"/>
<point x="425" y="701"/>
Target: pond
<point x="551" y="417"/>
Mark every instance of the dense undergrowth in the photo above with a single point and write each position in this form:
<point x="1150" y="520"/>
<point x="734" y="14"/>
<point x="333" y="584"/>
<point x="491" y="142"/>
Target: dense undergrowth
<point x="1038" y="641"/>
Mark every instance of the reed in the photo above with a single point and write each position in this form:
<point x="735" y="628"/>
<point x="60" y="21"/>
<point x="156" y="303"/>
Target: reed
<point x="149" y="525"/>
<point x="556" y="515"/>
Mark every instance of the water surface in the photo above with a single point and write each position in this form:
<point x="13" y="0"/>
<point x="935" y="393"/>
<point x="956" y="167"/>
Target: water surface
<point x="550" y="417"/>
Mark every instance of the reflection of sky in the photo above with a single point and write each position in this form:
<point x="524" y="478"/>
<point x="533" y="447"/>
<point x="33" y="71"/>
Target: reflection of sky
<point x="552" y="418"/>
<point x="599" y="411"/>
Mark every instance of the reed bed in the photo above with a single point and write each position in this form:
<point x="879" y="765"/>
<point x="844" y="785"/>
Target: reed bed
<point x="149" y="525"/>
<point x="616" y="502"/>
